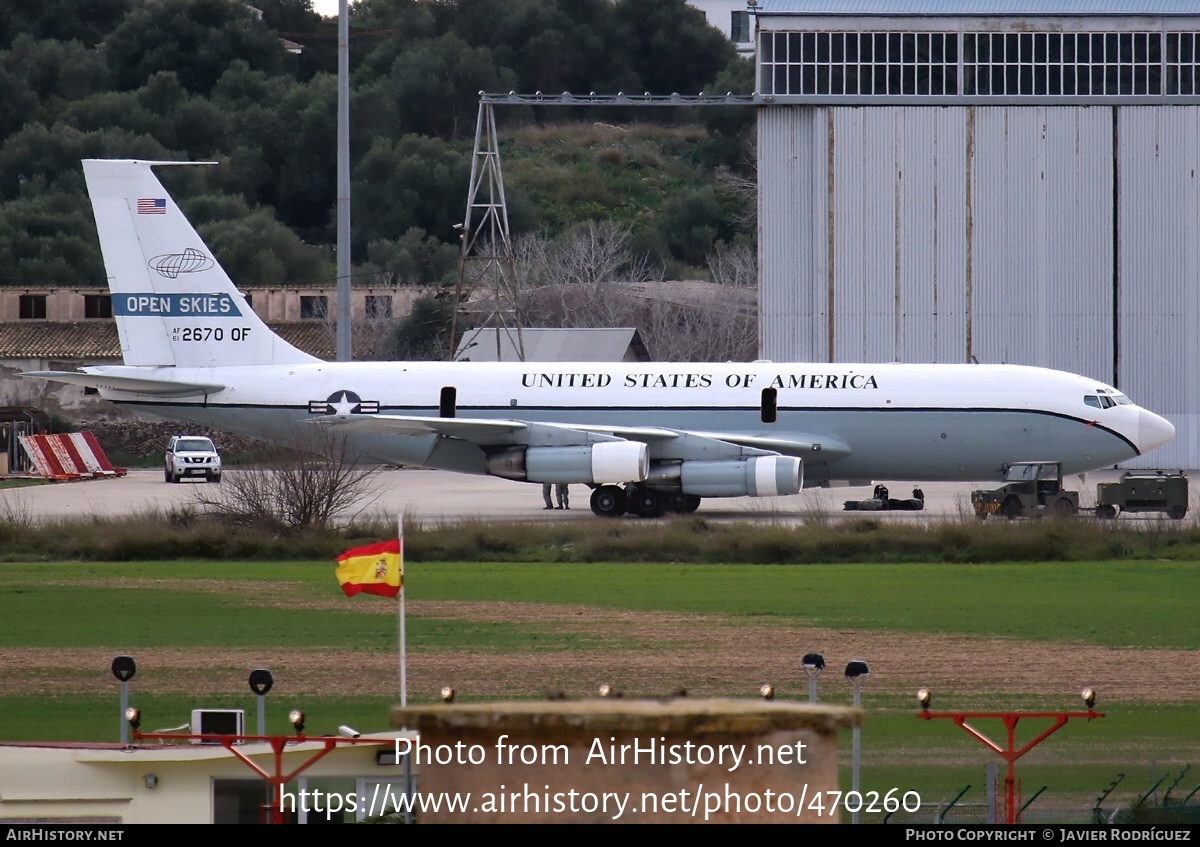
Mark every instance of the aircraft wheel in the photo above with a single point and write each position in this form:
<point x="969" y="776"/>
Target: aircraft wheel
<point x="1177" y="513"/>
<point x="608" y="501"/>
<point x="1064" y="508"/>
<point x="690" y="503"/>
<point x="1106" y="512"/>
<point x="1011" y="508"/>
<point x="647" y="503"/>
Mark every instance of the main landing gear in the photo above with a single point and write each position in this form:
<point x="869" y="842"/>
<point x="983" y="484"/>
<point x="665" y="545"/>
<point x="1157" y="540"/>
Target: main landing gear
<point x="612" y="501"/>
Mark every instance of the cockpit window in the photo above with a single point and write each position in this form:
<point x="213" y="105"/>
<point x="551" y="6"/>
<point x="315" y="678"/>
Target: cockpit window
<point x="1105" y="401"/>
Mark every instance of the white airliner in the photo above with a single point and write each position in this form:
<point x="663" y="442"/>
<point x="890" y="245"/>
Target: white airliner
<point x="646" y="438"/>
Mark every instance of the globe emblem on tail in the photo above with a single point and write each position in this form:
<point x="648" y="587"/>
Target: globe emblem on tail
<point x="171" y="265"/>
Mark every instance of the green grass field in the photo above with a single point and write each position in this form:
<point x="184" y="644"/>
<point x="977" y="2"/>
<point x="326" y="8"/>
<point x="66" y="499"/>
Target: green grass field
<point x="108" y="609"/>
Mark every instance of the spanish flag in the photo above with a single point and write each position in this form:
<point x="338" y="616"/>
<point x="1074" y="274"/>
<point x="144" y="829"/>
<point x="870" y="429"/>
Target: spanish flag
<point x="374" y="569"/>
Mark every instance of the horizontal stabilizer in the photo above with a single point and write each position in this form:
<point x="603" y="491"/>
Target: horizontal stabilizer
<point x="133" y="384"/>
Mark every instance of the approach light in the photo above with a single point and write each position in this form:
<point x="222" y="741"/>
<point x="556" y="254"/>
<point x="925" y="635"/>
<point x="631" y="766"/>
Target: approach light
<point x="447" y="694"/>
<point x="297" y="720"/>
<point x="767" y="691"/>
<point x="134" y="716"/>
<point x="606" y="690"/>
<point x="923" y="698"/>
<point x="348" y="731"/>
<point x="124" y="667"/>
<point x="1089" y="697"/>
<point x="856" y="669"/>
<point x="261" y="681"/>
<point x="813" y="663"/>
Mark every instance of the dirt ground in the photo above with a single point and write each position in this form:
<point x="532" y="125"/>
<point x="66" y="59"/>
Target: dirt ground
<point x="646" y="655"/>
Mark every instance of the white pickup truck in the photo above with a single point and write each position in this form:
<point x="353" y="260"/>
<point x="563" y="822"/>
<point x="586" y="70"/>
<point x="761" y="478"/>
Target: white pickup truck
<point x="192" y="455"/>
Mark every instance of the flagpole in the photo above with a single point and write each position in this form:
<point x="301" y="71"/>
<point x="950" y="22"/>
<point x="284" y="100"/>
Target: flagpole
<point x="403" y="657"/>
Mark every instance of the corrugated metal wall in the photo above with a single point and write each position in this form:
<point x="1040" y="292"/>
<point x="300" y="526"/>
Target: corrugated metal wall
<point x="929" y="234"/>
<point x="1159" y="307"/>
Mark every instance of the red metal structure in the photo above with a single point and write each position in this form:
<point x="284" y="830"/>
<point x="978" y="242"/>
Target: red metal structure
<point x="278" y="779"/>
<point x="1010" y="752"/>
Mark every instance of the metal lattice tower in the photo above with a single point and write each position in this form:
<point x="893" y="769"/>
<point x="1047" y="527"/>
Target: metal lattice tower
<point x="485" y="239"/>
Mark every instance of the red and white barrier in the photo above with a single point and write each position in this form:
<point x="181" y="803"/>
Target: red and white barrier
<point x="73" y="455"/>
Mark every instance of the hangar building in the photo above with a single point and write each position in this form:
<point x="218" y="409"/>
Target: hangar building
<point x="1005" y="181"/>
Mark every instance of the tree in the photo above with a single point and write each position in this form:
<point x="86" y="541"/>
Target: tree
<point x="255" y="249"/>
<point x="49" y="238"/>
<point x="61" y="20"/>
<point x="197" y="39"/>
<point x="57" y="69"/>
<point x="436" y="83"/>
<point x="412" y="182"/>
<point x="422" y="336"/>
<point x="670" y="45"/>
<point x="691" y="222"/>
<point x="415" y="258"/>
<point x="308" y="480"/>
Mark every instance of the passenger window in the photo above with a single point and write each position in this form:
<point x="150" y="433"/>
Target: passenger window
<point x="1092" y="401"/>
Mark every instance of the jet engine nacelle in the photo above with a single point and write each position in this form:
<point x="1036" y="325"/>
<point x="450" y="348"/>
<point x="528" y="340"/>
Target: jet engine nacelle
<point x="605" y="462"/>
<point x="761" y="476"/>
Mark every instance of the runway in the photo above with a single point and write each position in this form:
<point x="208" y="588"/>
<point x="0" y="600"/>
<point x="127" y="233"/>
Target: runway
<point x="440" y="496"/>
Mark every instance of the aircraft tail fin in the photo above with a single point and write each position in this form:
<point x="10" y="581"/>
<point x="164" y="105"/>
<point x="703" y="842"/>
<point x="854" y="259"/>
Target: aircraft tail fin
<point x="174" y="305"/>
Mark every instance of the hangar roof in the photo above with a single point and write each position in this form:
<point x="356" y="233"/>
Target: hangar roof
<point x="997" y="8"/>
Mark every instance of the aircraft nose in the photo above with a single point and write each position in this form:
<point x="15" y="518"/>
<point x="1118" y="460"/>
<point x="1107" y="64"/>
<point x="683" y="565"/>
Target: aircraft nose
<point x="1153" y="431"/>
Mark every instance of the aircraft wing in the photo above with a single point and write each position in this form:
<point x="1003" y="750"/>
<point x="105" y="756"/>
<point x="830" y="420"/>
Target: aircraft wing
<point x="663" y="442"/>
<point x="480" y="431"/>
<point x="134" y="384"/>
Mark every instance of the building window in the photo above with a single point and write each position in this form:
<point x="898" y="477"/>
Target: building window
<point x="1072" y="63"/>
<point x="379" y="307"/>
<point x="97" y="306"/>
<point x="739" y="27"/>
<point x="314" y="306"/>
<point x="993" y="64"/>
<point x="33" y="307"/>
<point x="859" y="63"/>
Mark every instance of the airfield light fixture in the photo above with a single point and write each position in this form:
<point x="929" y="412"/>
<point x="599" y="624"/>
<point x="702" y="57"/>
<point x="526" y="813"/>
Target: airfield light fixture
<point x="767" y="691"/>
<point x="261" y="681"/>
<point x="855" y="671"/>
<point x="124" y="667"/>
<point x="447" y="694"/>
<point x="134" y="716"/>
<point x="347" y="731"/>
<point x="606" y="690"/>
<point x="297" y="720"/>
<point x="813" y="664"/>
<point x="1089" y="697"/>
<point x="923" y="698"/>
